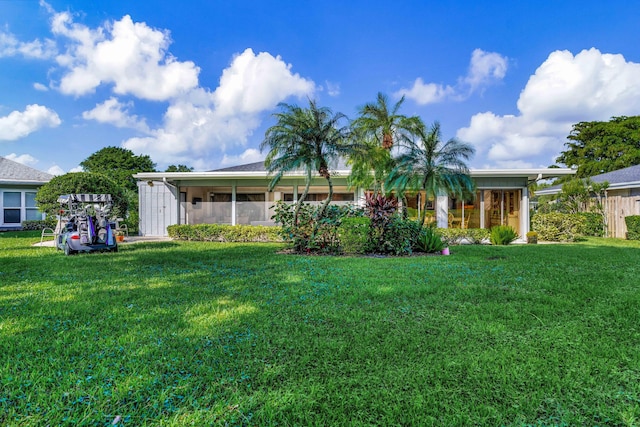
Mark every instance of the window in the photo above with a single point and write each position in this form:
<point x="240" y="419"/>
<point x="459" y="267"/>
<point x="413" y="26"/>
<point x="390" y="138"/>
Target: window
<point x="12" y="202"/>
<point x="32" y="211"/>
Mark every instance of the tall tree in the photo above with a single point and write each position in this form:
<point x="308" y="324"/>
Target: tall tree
<point x="431" y="165"/>
<point x="308" y="139"/>
<point x="378" y="128"/>
<point x="599" y="147"/>
<point x="179" y="168"/>
<point x="80" y="183"/>
<point x="120" y="164"/>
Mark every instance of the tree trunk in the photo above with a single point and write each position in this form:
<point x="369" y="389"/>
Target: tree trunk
<point x="300" y="201"/>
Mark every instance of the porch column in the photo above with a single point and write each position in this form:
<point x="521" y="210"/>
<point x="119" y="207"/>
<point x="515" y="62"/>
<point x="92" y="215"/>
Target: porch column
<point x="233" y="204"/>
<point x="178" y="204"/>
<point x="295" y="193"/>
<point x="524" y="213"/>
<point x="442" y="210"/>
<point x="481" y="208"/>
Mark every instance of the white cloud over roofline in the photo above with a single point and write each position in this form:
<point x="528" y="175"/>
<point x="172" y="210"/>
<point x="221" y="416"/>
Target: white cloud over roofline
<point x="564" y="90"/>
<point x="201" y="120"/>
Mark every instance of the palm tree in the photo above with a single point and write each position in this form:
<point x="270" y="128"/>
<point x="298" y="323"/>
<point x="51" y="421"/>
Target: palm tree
<point x="430" y="165"/>
<point x="384" y="123"/>
<point x="310" y="139"/>
<point x="376" y="131"/>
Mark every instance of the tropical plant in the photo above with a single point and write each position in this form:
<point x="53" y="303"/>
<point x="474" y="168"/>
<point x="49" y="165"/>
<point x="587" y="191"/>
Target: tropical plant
<point x="429" y="240"/>
<point x="502" y="235"/>
<point x="430" y="165"/>
<point x="375" y="132"/>
<point x="308" y="139"/>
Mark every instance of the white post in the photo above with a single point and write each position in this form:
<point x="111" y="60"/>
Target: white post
<point x="442" y="210"/>
<point x="524" y="213"/>
<point x="233" y="204"/>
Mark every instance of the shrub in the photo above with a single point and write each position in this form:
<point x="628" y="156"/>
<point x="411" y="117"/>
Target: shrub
<point x="224" y="233"/>
<point x="429" y="240"/>
<point x="81" y="183"/>
<point x="398" y="236"/>
<point x="39" y="224"/>
<point x="633" y="227"/>
<point x="456" y="236"/>
<point x="593" y="224"/>
<point x="312" y="234"/>
<point x="558" y="227"/>
<point x="502" y="235"/>
<point x="354" y="235"/>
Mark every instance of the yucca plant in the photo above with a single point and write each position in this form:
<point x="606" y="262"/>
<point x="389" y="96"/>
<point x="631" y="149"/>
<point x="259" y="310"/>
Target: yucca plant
<point x="502" y="235"/>
<point x="429" y="241"/>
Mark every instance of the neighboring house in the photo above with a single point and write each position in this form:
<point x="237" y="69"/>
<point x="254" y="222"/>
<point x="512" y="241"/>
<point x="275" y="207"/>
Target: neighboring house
<point x="18" y="187"/>
<point x="622" y="197"/>
<point x="239" y="195"/>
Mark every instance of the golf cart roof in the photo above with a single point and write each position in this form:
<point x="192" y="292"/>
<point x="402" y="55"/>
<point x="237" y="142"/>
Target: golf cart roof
<point x="85" y="198"/>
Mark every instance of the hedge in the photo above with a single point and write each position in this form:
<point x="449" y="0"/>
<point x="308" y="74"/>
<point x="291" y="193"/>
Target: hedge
<point x="633" y="227"/>
<point x="456" y="236"/>
<point x="38" y="224"/>
<point x="559" y="227"/>
<point x="224" y="233"/>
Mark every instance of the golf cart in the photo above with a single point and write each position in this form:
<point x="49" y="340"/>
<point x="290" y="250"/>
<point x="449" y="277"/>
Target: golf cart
<point x="85" y="224"/>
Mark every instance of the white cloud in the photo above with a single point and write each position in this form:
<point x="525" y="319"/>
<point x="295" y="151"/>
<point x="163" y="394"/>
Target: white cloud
<point x="55" y="170"/>
<point x="37" y="49"/>
<point x="116" y="113"/>
<point x="19" y="124"/>
<point x="564" y="90"/>
<point x="201" y="120"/>
<point x="131" y="56"/>
<point x="426" y="93"/>
<point x="250" y="155"/>
<point x="333" y="89"/>
<point x="40" y="87"/>
<point x="485" y="68"/>
<point x="25" y="159"/>
<point x="255" y="83"/>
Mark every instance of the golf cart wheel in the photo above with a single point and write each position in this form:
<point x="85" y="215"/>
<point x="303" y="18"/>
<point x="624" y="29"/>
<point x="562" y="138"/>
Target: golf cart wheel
<point x="115" y="249"/>
<point x="68" y="250"/>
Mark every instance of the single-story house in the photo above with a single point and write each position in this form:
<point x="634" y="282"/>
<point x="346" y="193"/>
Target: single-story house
<point x="18" y="187"/>
<point x="239" y="195"/>
<point x="622" y="197"/>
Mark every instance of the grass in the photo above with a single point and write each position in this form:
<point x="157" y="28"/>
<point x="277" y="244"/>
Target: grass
<point x="186" y="333"/>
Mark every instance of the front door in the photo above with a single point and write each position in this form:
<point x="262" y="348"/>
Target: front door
<point x="505" y="209"/>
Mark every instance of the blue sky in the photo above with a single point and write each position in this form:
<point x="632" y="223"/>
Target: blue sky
<point x="196" y="82"/>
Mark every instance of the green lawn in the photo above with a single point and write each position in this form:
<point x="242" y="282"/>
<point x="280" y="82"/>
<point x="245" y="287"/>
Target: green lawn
<point x="180" y="333"/>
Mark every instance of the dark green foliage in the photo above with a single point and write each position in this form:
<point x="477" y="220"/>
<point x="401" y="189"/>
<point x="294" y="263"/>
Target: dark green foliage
<point x="599" y="147"/>
<point x="633" y="227"/>
<point x="179" y="168"/>
<point x="429" y="241"/>
<point x="593" y="224"/>
<point x="502" y="235"/>
<point x="354" y="235"/>
<point x="558" y="227"/>
<point x="120" y="164"/>
<point x="311" y="234"/>
<point x="398" y="236"/>
<point x="81" y="183"/>
<point x="224" y="233"/>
